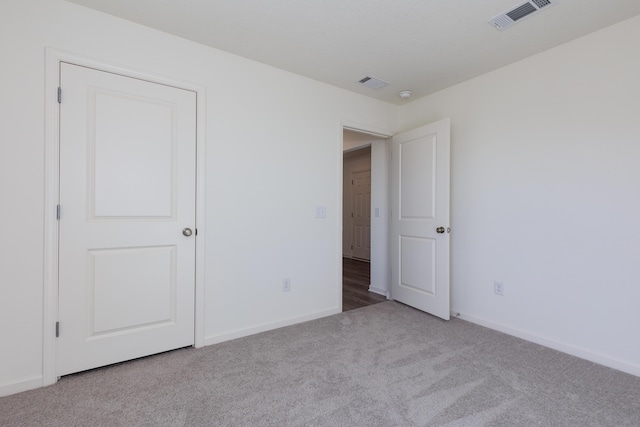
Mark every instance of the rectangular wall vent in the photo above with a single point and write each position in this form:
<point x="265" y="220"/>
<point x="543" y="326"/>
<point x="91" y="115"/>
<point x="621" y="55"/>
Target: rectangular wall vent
<point x="372" y="83"/>
<point x="509" y="17"/>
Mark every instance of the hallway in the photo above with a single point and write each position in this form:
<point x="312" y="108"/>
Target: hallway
<point x="355" y="285"/>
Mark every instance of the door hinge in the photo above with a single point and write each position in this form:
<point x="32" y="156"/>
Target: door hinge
<point x="196" y="231"/>
<point x="59" y="95"/>
<point x="57" y="329"/>
<point x="351" y="214"/>
<point x="58" y="212"/>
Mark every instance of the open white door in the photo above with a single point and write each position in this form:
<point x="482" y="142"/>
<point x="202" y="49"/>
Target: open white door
<point x="127" y="223"/>
<point x="420" y="218"/>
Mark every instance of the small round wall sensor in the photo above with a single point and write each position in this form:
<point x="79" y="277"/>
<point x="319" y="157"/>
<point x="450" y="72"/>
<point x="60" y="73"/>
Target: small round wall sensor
<point x="405" y="94"/>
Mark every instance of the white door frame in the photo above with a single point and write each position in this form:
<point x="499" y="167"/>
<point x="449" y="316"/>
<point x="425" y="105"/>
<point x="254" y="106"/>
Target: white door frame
<point x="53" y="59"/>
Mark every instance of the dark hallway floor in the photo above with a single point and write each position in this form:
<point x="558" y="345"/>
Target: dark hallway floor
<point x="356" y="278"/>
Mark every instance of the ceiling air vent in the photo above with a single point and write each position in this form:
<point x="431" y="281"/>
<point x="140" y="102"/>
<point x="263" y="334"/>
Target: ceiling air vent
<point x="372" y="83"/>
<point x="507" y="18"/>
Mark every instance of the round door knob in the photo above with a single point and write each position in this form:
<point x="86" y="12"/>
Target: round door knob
<point x="187" y="232"/>
<point x="440" y="230"/>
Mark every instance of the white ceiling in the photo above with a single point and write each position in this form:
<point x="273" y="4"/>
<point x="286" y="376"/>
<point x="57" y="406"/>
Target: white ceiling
<point x="419" y="45"/>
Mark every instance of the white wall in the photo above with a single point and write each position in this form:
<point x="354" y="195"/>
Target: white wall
<point x="273" y="155"/>
<point x="546" y="195"/>
<point x="380" y="268"/>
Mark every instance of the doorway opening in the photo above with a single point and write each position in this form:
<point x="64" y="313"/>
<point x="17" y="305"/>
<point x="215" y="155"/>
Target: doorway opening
<point x="364" y="220"/>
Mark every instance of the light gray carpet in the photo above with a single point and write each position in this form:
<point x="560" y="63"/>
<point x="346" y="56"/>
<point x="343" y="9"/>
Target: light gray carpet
<point x="383" y="365"/>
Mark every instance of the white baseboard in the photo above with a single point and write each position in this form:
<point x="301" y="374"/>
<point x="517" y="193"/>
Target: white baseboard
<point x="24" y="384"/>
<point x="600" y="359"/>
<point x="379" y="291"/>
<point x="215" y="339"/>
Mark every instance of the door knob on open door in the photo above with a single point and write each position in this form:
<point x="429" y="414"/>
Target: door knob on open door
<point x="440" y="230"/>
<point x="187" y="232"/>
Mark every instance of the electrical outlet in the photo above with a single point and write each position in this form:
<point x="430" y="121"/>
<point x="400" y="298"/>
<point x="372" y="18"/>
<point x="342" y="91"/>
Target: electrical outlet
<point x="286" y="285"/>
<point x="498" y="288"/>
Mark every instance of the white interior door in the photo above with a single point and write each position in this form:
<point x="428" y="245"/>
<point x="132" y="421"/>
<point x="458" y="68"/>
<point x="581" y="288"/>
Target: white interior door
<point x="420" y="218"/>
<point x="127" y="191"/>
<point x="361" y="221"/>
